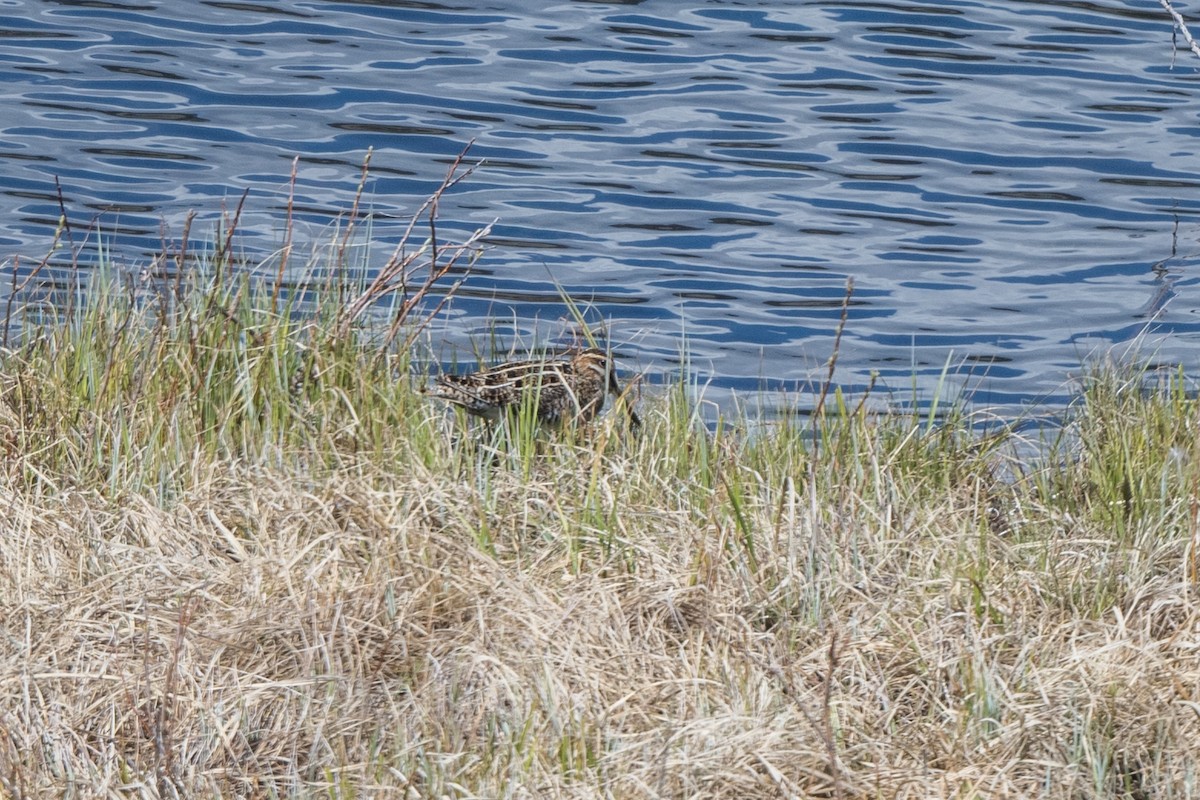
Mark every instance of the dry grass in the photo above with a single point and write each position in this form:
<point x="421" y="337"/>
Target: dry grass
<point x="600" y="626"/>
<point x="240" y="558"/>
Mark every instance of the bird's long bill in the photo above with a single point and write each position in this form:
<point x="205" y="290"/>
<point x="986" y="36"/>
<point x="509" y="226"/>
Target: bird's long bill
<point x="634" y="421"/>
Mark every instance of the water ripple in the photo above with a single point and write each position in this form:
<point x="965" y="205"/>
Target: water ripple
<point x="1006" y="184"/>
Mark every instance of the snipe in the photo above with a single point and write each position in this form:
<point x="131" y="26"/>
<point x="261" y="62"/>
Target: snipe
<point x="574" y="389"/>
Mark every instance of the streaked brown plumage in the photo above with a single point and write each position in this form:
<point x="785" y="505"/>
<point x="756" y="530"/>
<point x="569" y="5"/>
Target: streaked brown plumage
<point x="564" y="390"/>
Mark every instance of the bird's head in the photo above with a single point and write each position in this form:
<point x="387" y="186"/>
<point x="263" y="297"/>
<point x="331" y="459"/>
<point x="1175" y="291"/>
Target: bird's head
<point x="600" y="363"/>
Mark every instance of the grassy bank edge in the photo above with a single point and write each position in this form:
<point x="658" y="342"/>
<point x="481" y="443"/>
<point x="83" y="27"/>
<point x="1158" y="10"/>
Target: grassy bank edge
<point x="246" y="556"/>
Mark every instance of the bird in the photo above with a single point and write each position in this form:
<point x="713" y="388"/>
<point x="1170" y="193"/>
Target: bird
<point x="564" y="390"/>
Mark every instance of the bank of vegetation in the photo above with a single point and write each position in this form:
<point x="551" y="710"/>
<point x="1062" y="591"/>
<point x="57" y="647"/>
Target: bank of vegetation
<point x="243" y="556"/>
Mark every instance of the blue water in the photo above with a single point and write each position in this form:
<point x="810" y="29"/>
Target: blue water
<point x="1012" y="186"/>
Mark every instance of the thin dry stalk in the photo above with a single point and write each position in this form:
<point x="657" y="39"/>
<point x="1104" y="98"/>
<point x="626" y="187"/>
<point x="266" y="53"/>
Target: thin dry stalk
<point x="61" y="231"/>
<point x="827" y="733"/>
<point x="1182" y="28"/>
<point x="1193" y="561"/>
<point x="65" y="224"/>
<point x="181" y="256"/>
<point x="224" y="255"/>
<point x="821" y="723"/>
<point x="15" y="289"/>
<point x="289" y="224"/>
<point x="396" y="274"/>
<point x="358" y="194"/>
<point x="827" y="385"/>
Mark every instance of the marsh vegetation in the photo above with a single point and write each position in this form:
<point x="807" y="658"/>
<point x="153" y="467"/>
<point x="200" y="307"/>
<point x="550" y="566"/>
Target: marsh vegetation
<point x="243" y="556"/>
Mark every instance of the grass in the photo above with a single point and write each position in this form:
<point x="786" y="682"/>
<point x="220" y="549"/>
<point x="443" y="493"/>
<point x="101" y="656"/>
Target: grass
<point x="244" y="557"/>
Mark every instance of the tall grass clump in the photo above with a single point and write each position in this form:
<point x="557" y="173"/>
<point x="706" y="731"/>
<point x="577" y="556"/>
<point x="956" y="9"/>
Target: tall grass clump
<point x="202" y="359"/>
<point x="244" y="556"/>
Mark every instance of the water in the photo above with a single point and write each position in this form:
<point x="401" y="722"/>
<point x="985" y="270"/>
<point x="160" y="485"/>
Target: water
<point x="1010" y="185"/>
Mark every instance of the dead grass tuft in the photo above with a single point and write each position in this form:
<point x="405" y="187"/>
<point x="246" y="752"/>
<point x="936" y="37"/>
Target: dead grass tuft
<point x="285" y="631"/>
